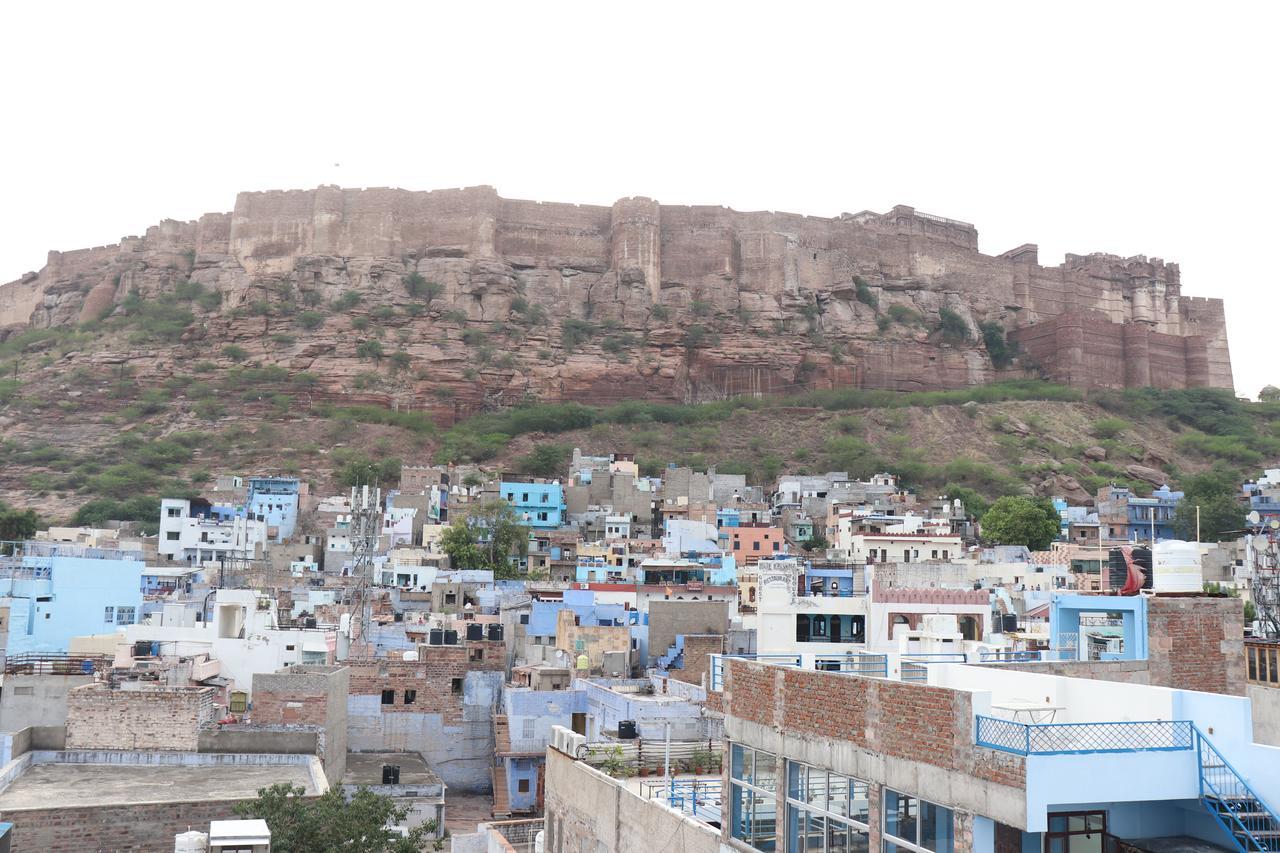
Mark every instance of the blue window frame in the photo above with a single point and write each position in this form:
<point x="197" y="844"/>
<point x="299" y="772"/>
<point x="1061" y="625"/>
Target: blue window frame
<point x="753" y="797"/>
<point x="912" y="824"/>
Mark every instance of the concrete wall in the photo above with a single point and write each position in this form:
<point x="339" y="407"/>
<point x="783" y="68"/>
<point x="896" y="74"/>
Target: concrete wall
<point x="130" y="826"/>
<point x="669" y="619"/>
<point x="36" y="700"/>
<point x="262" y="741"/>
<point x="588" y="810"/>
<point x="1266" y="713"/>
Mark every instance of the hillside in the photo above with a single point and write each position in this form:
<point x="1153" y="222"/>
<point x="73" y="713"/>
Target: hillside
<point x="96" y="437"/>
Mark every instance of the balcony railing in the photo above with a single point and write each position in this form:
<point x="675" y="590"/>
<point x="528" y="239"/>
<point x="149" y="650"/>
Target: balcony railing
<point x="1081" y="738"/>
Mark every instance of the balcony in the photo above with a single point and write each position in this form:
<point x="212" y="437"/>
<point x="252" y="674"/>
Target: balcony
<point x="1082" y="738"/>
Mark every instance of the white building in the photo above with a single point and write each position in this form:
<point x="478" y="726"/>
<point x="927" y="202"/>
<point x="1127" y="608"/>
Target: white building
<point x="196" y="538"/>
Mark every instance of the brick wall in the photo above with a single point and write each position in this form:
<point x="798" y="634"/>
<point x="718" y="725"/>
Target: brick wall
<point x="130" y="826"/>
<point x="698" y="649"/>
<point x="308" y="696"/>
<point x="595" y="639"/>
<point x="101" y="718"/>
<point x="436" y="678"/>
<point x="931" y="725"/>
<point x="1196" y="643"/>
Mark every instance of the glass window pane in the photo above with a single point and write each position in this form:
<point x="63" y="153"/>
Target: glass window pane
<point x="740" y="763"/>
<point x="859" y="841"/>
<point x="837" y="837"/>
<point x="859" y="805"/>
<point x="815" y="833"/>
<point x="817" y="792"/>
<point x="795" y="780"/>
<point x="1057" y="824"/>
<point x="766" y="771"/>
<point x="1095" y="822"/>
<point x="838" y="795"/>
<point x="935" y="827"/>
<point x="900" y="815"/>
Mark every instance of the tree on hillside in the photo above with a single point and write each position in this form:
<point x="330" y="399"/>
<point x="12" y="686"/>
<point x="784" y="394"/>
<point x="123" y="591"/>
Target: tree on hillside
<point x="486" y="538"/>
<point x="16" y="524"/>
<point x="331" y="823"/>
<point x="546" y="460"/>
<point x="1269" y="394"/>
<point x="1220" y="515"/>
<point x="1014" y="520"/>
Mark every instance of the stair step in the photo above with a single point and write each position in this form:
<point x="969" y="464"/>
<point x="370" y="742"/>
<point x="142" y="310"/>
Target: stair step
<point x="1259" y="833"/>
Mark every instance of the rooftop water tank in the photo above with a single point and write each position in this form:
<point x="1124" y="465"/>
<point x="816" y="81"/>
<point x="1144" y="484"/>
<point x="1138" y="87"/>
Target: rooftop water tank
<point x="191" y="841"/>
<point x="1177" y="567"/>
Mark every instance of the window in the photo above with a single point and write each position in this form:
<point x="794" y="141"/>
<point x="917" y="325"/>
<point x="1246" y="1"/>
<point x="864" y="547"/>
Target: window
<point x="826" y="811"/>
<point x="109" y="615"/>
<point x="1076" y="831"/>
<point x="914" y="824"/>
<point x="174" y="512"/>
<point x="410" y="696"/>
<point x="24" y="691"/>
<point x="528" y="728"/>
<point x="455" y="686"/>
<point x="388" y="697"/>
<point x="475" y="654"/>
<point x="124" y="615"/>
<point x="546" y="497"/>
<point x="753" y="797"/>
<point x="523" y="786"/>
<point x="171" y="535"/>
<point x="755" y="546"/>
<point x="524" y="497"/>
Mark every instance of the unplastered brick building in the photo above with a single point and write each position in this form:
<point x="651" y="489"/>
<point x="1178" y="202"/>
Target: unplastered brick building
<point x="160" y="718"/>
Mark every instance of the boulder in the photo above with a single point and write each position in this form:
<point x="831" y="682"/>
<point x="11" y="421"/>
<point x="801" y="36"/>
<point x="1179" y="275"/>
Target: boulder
<point x="1095" y="453"/>
<point x="1147" y="475"/>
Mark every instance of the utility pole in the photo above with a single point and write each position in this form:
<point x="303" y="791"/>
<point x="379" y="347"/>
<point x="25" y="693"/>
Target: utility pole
<point x="1197" y="524"/>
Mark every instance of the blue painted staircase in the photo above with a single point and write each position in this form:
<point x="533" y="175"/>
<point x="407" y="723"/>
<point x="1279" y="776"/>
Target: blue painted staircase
<point x="1251" y="823"/>
<point x="674" y="656"/>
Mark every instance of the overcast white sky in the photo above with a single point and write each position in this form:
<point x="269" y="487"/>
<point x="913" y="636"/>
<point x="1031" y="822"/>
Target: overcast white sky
<point x="1134" y="128"/>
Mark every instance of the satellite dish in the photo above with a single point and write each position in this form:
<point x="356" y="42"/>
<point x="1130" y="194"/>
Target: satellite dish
<point x="1253" y="517"/>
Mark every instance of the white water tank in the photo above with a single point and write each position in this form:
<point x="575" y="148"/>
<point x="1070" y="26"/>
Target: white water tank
<point x="1176" y="567"/>
<point x="411" y="656"/>
<point x="191" y="841"/>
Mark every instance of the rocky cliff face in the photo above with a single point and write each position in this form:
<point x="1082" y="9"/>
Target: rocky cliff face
<point x="456" y="300"/>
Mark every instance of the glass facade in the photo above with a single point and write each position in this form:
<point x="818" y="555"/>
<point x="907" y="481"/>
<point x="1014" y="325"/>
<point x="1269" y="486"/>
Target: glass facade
<point x="826" y="812"/>
<point x="753" y="799"/>
<point x="915" y="824"/>
<point x="819" y="811"/>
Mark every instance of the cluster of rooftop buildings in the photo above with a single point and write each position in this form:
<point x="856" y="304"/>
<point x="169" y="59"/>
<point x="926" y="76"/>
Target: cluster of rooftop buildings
<point x="824" y="664"/>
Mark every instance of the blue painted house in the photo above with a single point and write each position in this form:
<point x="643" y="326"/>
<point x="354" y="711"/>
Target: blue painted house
<point x="57" y="591"/>
<point x="541" y="504"/>
<point x="275" y="501"/>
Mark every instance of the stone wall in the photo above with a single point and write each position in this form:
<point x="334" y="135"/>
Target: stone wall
<point x="162" y="719"/>
<point x="731" y="272"/>
<point x="669" y="619"/>
<point x="594" y="639"/>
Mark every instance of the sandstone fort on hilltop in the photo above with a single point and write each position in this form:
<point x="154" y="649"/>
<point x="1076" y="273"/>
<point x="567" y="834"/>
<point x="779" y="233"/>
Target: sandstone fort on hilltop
<point x="698" y="302"/>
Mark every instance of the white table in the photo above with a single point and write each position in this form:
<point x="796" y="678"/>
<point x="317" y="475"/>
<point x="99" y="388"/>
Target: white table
<point x="1027" y="711"/>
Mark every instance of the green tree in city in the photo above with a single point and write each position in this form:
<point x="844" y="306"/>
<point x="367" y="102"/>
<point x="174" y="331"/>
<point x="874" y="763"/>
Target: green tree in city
<point x="17" y="524"/>
<point x="331" y="823"/>
<point x="1015" y="520"/>
<point x="486" y="538"/>
<point x="1214" y="492"/>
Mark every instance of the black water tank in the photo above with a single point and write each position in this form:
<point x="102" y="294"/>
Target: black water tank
<point x="626" y="730"/>
<point x="399" y="617"/>
<point x="391" y="774"/>
<point x="309" y="622"/>
<point x="1117" y="569"/>
<point x="1142" y="559"/>
<point x="435" y="637"/>
<point x="142" y="649"/>
<point x="451" y="638"/>
<point x="495" y="631"/>
<point x="475" y="631"/>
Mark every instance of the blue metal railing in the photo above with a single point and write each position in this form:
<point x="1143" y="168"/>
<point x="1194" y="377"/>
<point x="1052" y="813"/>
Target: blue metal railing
<point x="1245" y="816"/>
<point x="859" y="663"/>
<point x="1080" y="738"/>
<point x="1009" y="657"/>
<point x="717" y="665"/>
<point x="700" y="798"/>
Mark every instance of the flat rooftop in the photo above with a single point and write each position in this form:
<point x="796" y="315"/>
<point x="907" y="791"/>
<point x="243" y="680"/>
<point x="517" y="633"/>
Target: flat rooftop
<point x="68" y="785"/>
<point x="365" y="768"/>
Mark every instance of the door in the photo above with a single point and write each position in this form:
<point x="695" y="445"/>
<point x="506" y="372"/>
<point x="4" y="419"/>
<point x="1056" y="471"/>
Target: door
<point x="579" y="724"/>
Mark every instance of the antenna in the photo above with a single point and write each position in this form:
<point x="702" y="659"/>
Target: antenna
<point x="366" y="524"/>
<point x="1266" y="579"/>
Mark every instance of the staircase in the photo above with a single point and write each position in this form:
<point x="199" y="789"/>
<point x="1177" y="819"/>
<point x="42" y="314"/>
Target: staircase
<point x="673" y="658"/>
<point x="1251" y="823"/>
<point x="501" y="799"/>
